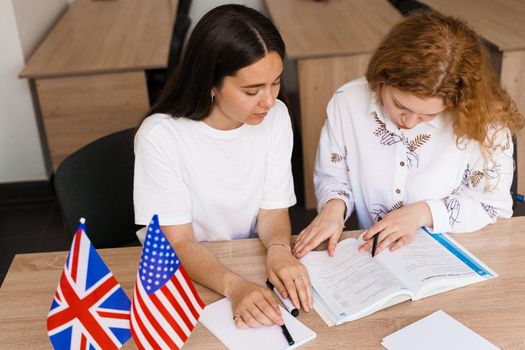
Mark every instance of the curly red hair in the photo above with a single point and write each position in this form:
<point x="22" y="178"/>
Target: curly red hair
<point x="433" y="55"/>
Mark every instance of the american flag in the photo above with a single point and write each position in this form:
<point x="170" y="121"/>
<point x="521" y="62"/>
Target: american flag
<point x="166" y="305"/>
<point x="90" y="309"/>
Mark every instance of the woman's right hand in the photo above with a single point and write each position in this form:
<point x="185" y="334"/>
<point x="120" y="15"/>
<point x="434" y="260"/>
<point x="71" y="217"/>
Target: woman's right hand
<point x="253" y="305"/>
<point x="328" y="224"/>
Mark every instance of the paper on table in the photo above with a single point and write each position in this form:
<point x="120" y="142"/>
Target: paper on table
<point x="436" y="332"/>
<point x="218" y="318"/>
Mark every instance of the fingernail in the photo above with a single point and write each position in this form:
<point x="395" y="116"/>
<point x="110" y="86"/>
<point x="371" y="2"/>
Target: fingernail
<point x="281" y="322"/>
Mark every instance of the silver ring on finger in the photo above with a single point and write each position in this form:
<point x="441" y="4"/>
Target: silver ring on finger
<point x="235" y="317"/>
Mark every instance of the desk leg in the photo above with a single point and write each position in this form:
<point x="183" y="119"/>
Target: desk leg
<point x="78" y="110"/>
<point x="318" y="80"/>
<point x="513" y="79"/>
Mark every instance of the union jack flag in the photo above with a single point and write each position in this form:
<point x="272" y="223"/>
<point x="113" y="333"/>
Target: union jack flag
<point x="90" y="309"/>
<point x="166" y="305"/>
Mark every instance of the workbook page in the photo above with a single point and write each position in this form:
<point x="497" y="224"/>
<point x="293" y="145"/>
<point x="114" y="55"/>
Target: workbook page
<point x="351" y="283"/>
<point x="425" y="262"/>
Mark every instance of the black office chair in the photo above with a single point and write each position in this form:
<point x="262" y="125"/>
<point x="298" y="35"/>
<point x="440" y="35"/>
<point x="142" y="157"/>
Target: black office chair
<point x="156" y="78"/>
<point x="184" y="6"/>
<point x="406" y="7"/>
<point x="514" y="185"/>
<point x="96" y="182"/>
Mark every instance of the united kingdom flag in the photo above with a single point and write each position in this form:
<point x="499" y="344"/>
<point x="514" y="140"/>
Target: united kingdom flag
<point x="90" y="309"/>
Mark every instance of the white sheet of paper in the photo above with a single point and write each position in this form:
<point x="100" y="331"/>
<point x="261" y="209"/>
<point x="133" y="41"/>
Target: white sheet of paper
<point x="436" y="332"/>
<point x="218" y="318"/>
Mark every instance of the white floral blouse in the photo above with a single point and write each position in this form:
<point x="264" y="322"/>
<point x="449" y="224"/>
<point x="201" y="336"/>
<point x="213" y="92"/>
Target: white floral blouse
<point x="370" y="164"/>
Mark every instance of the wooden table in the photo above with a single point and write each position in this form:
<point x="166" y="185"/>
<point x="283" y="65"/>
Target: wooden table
<point x="495" y="309"/>
<point x="89" y="71"/>
<point x="332" y="42"/>
<point x="501" y="22"/>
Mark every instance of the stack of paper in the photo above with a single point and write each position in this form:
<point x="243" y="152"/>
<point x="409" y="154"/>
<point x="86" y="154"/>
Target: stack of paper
<point x="217" y="317"/>
<point x="437" y="331"/>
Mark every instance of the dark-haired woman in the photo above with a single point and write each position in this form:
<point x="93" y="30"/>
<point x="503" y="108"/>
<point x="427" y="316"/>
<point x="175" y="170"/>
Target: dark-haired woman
<point x="213" y="160"/>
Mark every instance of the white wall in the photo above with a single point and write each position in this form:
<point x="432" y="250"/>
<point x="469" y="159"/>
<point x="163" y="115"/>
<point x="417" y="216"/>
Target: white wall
<point x="34" y="18"/>
<point x="23" y="23"/>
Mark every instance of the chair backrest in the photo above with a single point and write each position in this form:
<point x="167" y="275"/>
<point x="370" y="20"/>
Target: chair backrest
<point x="182" y="24"/>
<point x="184" y="6"/>
<point x="406" y="7"/>
<point x="96" y="182"/>
<point x="156" y="78"/>
<point x="514" y="185"/>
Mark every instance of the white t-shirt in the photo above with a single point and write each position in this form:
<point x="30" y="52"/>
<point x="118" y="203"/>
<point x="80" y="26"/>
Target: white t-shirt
<point x="187" y="171"/>
<point x="366" y="161"/>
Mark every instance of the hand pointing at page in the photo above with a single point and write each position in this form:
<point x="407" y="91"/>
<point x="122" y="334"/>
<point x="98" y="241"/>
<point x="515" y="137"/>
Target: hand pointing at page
<point x="328" y="224"/>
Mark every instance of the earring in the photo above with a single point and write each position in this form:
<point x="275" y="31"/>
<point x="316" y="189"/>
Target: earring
<point x="212" y="98"/>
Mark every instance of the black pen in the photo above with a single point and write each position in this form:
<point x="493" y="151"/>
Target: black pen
<point x="374" y="244"/>
<point x="286" y="302"/>
<point x="287" y="335"/>
<point x="376" y="237"/>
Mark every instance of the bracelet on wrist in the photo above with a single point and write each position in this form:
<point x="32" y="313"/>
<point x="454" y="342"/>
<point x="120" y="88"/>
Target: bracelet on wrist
<point x="279" y="244"/>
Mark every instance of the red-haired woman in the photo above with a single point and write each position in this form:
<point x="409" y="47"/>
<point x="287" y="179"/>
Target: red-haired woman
<point x="423" y="140"/>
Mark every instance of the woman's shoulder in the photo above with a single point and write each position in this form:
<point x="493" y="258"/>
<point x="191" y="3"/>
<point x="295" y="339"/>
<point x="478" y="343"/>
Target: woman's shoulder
<point x="356" y="85"/>
<point x="278" y="114"/>
<point x="498" y="136"/>
<point x="355" y="92"/>
<point x="160" y="124"/>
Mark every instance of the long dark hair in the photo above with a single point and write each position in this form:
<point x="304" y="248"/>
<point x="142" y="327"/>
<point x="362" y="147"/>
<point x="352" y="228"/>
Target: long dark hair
<point x="226" y="39"/>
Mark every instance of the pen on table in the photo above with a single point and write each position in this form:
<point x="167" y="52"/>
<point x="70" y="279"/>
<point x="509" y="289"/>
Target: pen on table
<point x="286" y="302"/>
<point x="376" y="237"/>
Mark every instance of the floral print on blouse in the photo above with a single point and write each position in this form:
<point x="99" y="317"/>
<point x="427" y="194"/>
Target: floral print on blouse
<point x="375" y="167"/>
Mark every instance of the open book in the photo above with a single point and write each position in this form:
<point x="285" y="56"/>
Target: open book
<point x="351" y="285"/>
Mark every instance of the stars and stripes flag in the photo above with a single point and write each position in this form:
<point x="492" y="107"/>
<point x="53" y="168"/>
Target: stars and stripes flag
<point x="90" y="309"/>
<point x="166" y="305"/>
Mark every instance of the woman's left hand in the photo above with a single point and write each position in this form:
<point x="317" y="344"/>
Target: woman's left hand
<point x="289" y="277"/>
<point x="398" y="227"/>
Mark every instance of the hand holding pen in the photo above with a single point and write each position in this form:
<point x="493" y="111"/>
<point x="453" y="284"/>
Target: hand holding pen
<point x="291" y="309"/>
<point x="286" y="302"/>
<point x="289" y="276"/>
<point x="397" y="228"/>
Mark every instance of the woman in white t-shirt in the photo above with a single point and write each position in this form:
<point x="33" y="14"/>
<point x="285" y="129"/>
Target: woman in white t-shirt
<point x="423" y="140"/>
<point x="212" y="159"/>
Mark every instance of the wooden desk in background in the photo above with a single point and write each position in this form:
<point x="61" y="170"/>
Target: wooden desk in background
<point x="89" y="71"/>
<point x="495" y="309"/>
<point x="332" y="42"/>
<point x="500" y="22"/>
